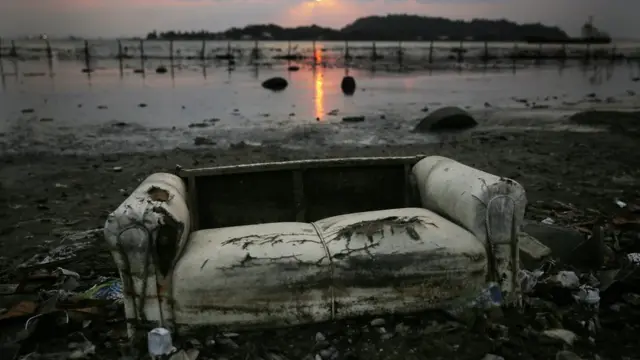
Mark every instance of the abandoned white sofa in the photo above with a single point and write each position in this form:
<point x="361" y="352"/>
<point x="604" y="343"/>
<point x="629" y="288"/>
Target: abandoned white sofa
<point x="281" y="273"/>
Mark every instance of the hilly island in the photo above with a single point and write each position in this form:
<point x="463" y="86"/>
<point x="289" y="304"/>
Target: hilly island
<point x="400" y="27"/>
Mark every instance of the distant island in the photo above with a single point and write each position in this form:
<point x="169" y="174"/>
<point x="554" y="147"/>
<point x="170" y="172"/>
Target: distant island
<point x="383" y="28"/>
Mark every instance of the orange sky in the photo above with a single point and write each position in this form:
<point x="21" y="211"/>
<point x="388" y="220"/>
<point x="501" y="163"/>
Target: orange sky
<point x="110" y="18"/>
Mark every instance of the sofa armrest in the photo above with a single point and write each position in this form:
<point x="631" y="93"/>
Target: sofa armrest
<point x="490" y="207"/>
<point x="146" y="234"/>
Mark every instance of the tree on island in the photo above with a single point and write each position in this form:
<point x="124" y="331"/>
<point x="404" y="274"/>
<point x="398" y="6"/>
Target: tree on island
<point x="400" y="27"/>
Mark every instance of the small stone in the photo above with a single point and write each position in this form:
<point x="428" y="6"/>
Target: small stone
<point x="117" y="169"/>
<point x="353" y="119"/>
<point x="142" y="105"/>
<point x="492" y="357"/>
<point x="567" y="355"/>
<point x="377" y="322"/>
<point x="320" y="337"/>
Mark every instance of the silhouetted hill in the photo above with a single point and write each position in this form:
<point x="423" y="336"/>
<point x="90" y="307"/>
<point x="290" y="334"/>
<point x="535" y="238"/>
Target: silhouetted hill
<point x="390" y="28"/>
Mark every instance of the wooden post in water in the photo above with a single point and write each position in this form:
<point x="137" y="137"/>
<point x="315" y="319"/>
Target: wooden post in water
<point x="346" y="50"/>
<point x="256" y="50"/>
<point x="374" y="51"/>
<point x="431" y="52"/>
<point x="460" y="52"/>
<point x="587" y="55"/>
<point x="486" y="51"/>
<point x="400" y="55"/>
<point x="514" y="56"/>
<point x="564" y="52"/>
<point x="0" y="49"/>
<point x="14" y="51"/>
<point x="142" y="55"/>
<point x="49" y="51"/>
<point x="315" y="59"/>
<point x="229" y="49"/>
<point x="613" y="53"/>
<point x="289" y="49"/>
<point x="87" y="56"/>
<point x="171" y="51"/>
<point x="120" y="58"/>
<point x="539" y="54"/>
<point x="203" y="49"/>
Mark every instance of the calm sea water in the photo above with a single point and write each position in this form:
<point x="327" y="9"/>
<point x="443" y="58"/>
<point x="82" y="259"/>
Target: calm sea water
<point x="117" y="108"/>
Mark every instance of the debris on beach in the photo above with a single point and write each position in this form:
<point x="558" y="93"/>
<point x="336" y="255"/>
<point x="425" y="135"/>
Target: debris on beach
<point x="348" y="85"/>
<point x="275" y="84"/>
<point x="570" y="308"/>
<point x="161" y="69"/>
<point x="446" y="118"/>
<point x="27" y="111"/>
<point x="293" y="68"/>
<point x="353" y="119"/>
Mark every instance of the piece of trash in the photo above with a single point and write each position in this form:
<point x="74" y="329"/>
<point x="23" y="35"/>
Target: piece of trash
<point x="561" y="334"/>
<point x="620" y="204"/>
<point x="64" y="272"/>
<point x="84" y="350"/>
<point x="529" y="279"/>
<point x="566" y="279"/>
<point x="8" y="289"/>
<point x="548" y="221"/>
<point x="488" y="298"/>
<point x="75" y="244"/>
<point x="191" y="354"/>
<point x="588" y="295"/>
<point x="108" y="290"/>
<point x="159" y="342"/>
<point x="23" y="308"/>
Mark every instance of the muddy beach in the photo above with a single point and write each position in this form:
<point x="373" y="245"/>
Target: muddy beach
<point x="44" y="195"/>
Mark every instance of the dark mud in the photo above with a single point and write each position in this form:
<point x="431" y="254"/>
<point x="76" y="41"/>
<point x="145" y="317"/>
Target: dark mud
<point x="41" y="194"/>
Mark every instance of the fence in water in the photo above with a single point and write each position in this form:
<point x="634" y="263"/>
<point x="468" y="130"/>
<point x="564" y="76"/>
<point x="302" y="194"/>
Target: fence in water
<point x="430" y="51"/>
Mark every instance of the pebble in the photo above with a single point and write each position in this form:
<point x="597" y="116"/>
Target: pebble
<point x="377" y="322"/>
<point x="492" y="357"/>
<point x="320" y="337"/>
<point x="567" y="355"/>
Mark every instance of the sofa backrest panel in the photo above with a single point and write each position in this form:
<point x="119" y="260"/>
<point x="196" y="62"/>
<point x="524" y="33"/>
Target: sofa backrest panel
<point x="298" y="191"/>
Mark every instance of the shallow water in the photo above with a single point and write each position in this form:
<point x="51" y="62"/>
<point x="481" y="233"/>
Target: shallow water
<point x="308" y="112"/>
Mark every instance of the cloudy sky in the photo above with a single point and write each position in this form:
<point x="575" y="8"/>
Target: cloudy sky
<point x="112" y="18"/>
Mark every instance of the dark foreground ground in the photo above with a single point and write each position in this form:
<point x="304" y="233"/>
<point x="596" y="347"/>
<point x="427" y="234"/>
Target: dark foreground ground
<point x="42" y="195"/>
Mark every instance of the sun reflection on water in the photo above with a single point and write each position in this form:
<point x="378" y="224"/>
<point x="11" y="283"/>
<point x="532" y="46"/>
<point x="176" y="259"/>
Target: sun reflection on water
<point x="318" y="79"/>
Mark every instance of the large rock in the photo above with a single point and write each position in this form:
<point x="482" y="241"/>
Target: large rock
<point x="446" y="118"/>
<point x="275" y="84"/>
<point x="348" y="85"/>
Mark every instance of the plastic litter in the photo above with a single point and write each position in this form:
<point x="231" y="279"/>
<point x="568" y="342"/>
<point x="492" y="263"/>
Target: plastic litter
<point x="108" y="290"/>
<point x="588" y="295"/>
<point x="529" y="279"/>
<point x="159" y="342"/>
<point x="566" y="279"/>
<point x="548" y="221"/>
<point x="489" y="297"/>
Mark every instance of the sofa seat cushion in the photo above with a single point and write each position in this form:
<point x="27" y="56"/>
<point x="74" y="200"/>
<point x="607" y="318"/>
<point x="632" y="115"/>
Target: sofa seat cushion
<point x="292" y="273"/>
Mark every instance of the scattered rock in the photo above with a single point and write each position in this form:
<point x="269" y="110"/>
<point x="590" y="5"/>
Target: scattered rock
<point x="117" y="169"/>
<point x="27" y="111"/>
<point x="333" y="112"/>
<point x="201" y="140"/>
<point x="353" y="119"/>
<point x="275" y="84"/>
<point x="348" y="85"/>
<point x="567" y="355"/>
<point x="425" y="109"/>
<point x="87" y="71"/>
<point x="102" y="107"/>
<point x="566" y="336"/>
<point x="446" y="118"/>
<point x="138" y="71"/>
<point x="142" y="105"/>
<point x="293" y="68"/>
<point x="161" y="70"/>
<point x="46" y="120"/>
<point x="487" y="105"/>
